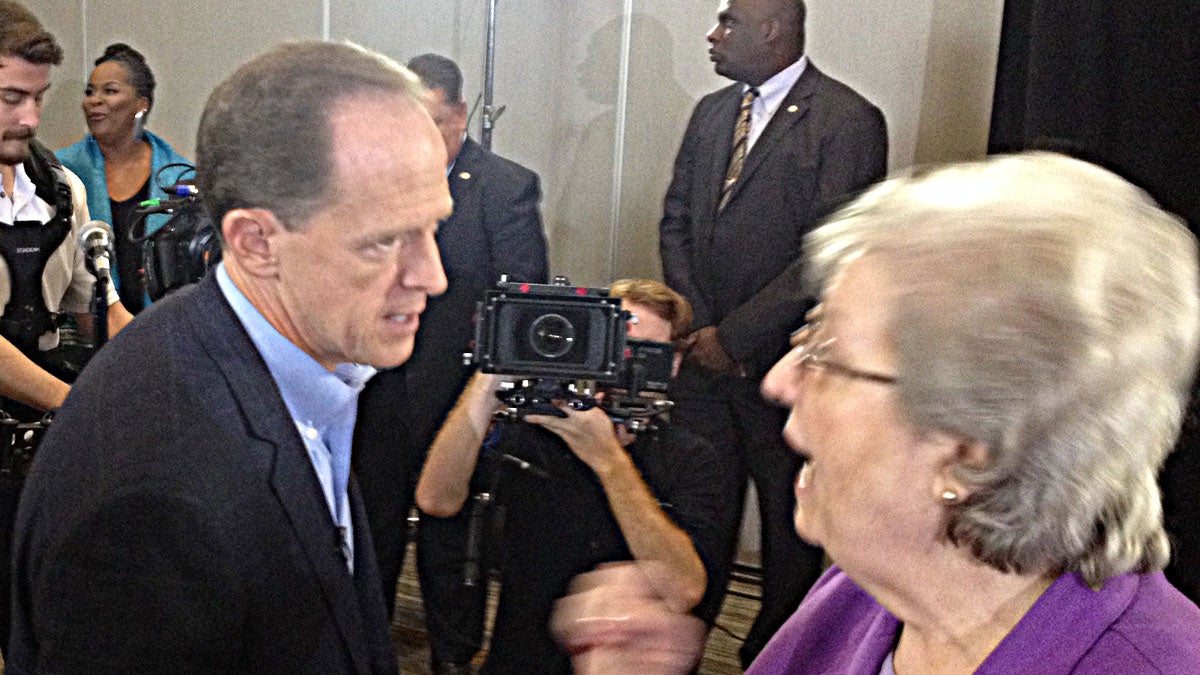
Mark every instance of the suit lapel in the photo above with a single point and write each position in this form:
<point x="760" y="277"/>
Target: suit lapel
<point x="293" y="480"/>
<point x="463" y="181"/>
<point x="720" y="138"/>
<point x="792" y="109"/>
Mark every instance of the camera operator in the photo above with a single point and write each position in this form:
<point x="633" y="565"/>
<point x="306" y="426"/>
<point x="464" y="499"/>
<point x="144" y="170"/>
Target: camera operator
<point x="592" y="493"/>
<point x="42" y="208"/>
<point x="42" y="270"/>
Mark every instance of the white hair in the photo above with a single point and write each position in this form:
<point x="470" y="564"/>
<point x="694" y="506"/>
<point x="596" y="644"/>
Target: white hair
<point x="1049" y="310"/>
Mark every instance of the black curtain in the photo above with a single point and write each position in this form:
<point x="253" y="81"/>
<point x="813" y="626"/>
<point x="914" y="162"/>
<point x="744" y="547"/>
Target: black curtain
<point x="1118" y="84"/>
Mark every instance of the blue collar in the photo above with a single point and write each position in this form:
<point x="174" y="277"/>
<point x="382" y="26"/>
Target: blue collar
<point x="314" y="396"/>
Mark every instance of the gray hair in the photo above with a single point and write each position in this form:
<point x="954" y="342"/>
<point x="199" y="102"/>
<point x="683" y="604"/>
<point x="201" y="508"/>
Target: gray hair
<point x="264" y="138"/>
<point x="1049" y="310"/>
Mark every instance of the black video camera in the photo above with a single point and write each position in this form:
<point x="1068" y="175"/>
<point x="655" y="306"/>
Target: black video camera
<point x="566" y="343"/>
<point x="181" y="251"/>
<point x="185" y="247"/>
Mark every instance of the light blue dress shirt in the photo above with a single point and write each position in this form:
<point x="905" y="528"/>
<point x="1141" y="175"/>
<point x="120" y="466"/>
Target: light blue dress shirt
<point x="323" y="404"/>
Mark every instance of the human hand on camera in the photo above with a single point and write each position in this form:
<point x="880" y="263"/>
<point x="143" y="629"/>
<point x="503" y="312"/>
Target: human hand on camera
<point x="589" y="433"/>
<point x="706" y="351"/>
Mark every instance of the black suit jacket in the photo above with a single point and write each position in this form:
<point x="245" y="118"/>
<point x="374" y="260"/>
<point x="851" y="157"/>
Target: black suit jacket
<point x="824" y="143"/>
<point x="174" y="523"/>
<point x="495" y="229"/>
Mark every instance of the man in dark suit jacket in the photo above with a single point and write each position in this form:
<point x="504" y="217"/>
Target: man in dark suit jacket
<point x="496" y="229"/>
<point x="727" y="240"/>
<point x="191" y="509"/>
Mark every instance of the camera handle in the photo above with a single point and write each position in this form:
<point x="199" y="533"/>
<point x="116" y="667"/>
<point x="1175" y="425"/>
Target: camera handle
<point x="479" y="509"/>
<point x="483" y="502"/>
<point x="100" y="308"/>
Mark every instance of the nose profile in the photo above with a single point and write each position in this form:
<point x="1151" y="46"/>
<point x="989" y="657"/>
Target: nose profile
<point x="31" y="113"/>
<point x="423" y="269"/>
<point x="779" y="385"/>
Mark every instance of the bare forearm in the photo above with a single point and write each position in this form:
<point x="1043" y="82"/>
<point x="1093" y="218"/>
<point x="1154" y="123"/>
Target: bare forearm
<point x="118" y="318"/>
<point x="446" y="477"/>
<point x="22" y="380"/>
<point x="652" y="537"/>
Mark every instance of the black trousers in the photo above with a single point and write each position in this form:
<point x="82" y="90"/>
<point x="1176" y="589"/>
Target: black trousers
<point x="732" y="415"/>
<point x="391" y="439"/>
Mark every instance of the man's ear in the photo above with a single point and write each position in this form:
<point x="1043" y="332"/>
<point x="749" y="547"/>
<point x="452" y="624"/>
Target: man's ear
<point x="772" y="29"/>
<point x="251" y="237"/>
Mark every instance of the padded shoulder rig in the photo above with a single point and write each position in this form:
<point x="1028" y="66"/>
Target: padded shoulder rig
<point x="49" y="179"/>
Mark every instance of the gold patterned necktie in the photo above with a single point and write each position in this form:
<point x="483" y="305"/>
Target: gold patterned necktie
<point x="741" y="137"/>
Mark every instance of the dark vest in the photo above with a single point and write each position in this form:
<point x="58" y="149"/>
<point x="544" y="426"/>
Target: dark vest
<point x="26" y="247"/>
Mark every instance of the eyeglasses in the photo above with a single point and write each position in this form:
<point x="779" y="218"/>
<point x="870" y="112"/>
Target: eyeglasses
<point x="808" y="354"/>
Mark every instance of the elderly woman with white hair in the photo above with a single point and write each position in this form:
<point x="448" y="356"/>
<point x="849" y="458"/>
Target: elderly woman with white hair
<point x="997" y="368"/>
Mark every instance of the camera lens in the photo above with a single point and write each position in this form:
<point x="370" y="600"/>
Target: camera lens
<point x="551" y="335"/>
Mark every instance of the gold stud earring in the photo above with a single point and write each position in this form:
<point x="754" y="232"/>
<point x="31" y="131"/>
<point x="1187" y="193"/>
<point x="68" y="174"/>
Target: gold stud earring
<point x="949" y="496"/>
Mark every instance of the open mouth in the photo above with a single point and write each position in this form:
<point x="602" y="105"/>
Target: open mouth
<point x="804" y="476"/>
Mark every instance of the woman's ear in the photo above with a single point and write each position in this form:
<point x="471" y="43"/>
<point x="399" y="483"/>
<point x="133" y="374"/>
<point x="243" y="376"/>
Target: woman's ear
<point x="956" y="452"/>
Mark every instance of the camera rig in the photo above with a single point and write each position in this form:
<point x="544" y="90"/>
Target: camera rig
<point x="18" y="443"/>
<point x="569" y="343"/>
<point x="185" y="247"/>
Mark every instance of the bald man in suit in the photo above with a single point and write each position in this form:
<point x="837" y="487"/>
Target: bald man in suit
<point x="761" y="162"/>
<point x="496" y="229"/>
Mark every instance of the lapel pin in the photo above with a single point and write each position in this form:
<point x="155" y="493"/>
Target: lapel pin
<point x="465" y="175"/>
<point x="792" y="108"/>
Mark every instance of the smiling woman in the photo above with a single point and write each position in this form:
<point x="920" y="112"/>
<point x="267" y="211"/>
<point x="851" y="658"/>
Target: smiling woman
<point x="119" y="160"/>
<point x="999" y="367"/>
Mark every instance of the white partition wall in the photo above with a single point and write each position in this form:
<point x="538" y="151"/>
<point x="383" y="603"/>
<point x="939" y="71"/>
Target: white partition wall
<point x="597" y="93"/>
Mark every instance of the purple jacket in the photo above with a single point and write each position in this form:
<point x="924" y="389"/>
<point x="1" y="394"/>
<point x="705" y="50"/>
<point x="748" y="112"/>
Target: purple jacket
<point x="1135" y="624"/>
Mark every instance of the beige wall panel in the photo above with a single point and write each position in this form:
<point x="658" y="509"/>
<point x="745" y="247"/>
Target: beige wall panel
<point x="960" y="74"/>
<point x="878" y="47"/>
<point x="669" y="71"/>
<point x="190" y="47"/>
<point x="61" y="116"/>
<point x="928" y="63"/>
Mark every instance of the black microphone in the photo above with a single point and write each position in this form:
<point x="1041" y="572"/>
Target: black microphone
<point x="94" y="242"/>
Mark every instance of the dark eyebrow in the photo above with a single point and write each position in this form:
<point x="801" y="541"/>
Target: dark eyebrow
<point x="25" y="92"/>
